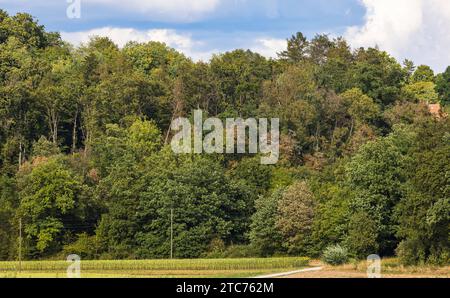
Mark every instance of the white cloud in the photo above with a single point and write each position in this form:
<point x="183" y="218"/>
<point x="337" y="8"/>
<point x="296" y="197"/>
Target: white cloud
<point x="269" y="47"/>
<point x="182" y="42"/>
<point x="164" y="10"/>
<point x="123" y="35"/>
<point x="413" y="29"/>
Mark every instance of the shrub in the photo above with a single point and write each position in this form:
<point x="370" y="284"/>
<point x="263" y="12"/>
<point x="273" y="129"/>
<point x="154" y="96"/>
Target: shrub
<point x="335" y="255"/>
<point x="216" y="249"/>
<point x="240" y="251"/>
<point x="45" y="148"/>
<point x="362" y="235"/>
<point x="414" y="252"/>
<point x="233" y="251"/>
<point x="85" y="247"/>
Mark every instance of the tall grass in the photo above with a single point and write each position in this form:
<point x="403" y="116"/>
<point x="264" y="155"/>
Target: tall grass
<point x="181" y="264"/>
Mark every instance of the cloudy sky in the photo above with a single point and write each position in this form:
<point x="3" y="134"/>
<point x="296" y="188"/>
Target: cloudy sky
<point x="413" y="29"/>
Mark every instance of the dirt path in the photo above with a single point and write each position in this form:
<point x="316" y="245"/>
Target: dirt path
<point x="359" y="271"/>
<point x="287" y="274"/>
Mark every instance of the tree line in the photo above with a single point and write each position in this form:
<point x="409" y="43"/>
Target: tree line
<point x="86" y="165"/>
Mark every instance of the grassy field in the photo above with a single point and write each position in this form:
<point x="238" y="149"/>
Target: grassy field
<point x="156" y="268"/>
<point x="249" y="267"/>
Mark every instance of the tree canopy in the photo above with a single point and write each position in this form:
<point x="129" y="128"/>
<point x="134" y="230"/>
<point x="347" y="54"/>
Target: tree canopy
<point x="86" y="166"/>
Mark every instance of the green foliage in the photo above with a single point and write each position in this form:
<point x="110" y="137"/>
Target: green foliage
<point x="254" y="174"/>
<point x="153" y="56"/>
<point x="376" y="175"/>
<point x="421" y="91"/>
<point x="86" y="247"/>
<point x="443" y="86"/>
<point x="424" y="213"/>
<point x="44" y="148"/>
<point x="240" y="75"/>
<point x="85" y="161"/>
<point x="139" y="140"/>
<point x="264" y="234"/>
<point x="49" y="192"/>
<point x="362" y="235"/>
<point x="283" y="176"/>
<point x="335" y="255"/>
<point x="332" y="216"/>
<point x="142" y="199"/>
<point x="335" y="73"/>
<point x="8" y="205"/>
<point x="423" y="73"/>
<point x="219" y="250"/>
<point x="23" y="27"/>
<point x="240" y="251"/>
<point x="361" y="108"/>
<point x="297" y="47"/>
<point x="378" y="75"/>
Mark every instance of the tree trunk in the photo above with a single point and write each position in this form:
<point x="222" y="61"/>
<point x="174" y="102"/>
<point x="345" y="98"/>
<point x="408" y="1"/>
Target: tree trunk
<point x="351" y="130"/>
<point x="316" y="137"/>
<point x="177" y="106"/>
<point x="20" y="153"/>
<point x="74" y="132"/>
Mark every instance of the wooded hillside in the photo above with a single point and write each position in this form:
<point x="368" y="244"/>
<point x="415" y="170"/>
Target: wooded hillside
<point x="86" y="165"/>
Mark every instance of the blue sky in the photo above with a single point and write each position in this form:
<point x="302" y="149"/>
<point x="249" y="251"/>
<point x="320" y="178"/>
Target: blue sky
<point x="273" y="16"/>
<point x="202" y="27"/>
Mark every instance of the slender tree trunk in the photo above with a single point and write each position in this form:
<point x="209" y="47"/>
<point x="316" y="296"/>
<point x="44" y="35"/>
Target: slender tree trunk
<point x="50" y="123"/>
<point x="55" y="130"/>
<point x="74" y="132"/>
<point x="316" y="147"/>
<point x="86" y="141"/>
<point x="53" y="124"/>
<point x="20" y="153"/>
<point x="177" y="106"/>
<point x="351" y="130"/>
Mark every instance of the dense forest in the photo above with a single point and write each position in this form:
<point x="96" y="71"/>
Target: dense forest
<point x="86" y="165"/>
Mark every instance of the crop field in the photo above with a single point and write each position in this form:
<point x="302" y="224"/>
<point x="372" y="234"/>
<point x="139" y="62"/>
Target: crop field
<point x="156" y="268"/>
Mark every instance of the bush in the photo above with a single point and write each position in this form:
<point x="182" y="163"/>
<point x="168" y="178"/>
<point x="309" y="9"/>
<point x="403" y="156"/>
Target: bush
<point x="85" y="247"/>
<point x="216" y="249"/>
<point x="362" y="235"/>
<point x="240" y="251"/>
<point x="335" y="255"/>
<point x="45" y="148"/>
<point x="414" y="252"/>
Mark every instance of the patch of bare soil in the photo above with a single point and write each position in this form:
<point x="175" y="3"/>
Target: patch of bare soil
<point x="360" y="271"/>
